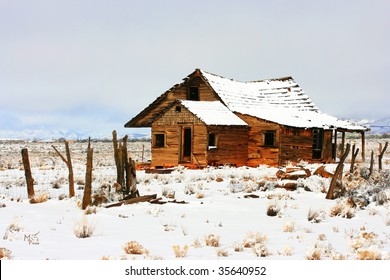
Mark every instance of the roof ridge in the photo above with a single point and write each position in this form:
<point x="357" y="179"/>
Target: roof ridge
<point x="285" y="78"/>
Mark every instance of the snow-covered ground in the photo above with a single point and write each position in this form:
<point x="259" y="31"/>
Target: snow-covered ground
<point x="217" y="221"/>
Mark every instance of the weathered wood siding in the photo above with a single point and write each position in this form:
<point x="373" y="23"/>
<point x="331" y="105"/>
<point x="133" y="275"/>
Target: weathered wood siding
<point x="171" y="124"/>
<point x="297" y="144"/>
<point x="232" y="145"/>
<point x="258" y="152"/>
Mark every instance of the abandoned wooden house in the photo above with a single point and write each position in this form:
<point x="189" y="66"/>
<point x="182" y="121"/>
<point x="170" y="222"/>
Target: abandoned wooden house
<point x="211" y="120"/>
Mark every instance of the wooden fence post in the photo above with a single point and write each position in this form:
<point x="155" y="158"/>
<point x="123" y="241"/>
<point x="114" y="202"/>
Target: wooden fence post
<point x="354" y="155"/>
<point x="337" y="173"/>
<point x="27" y="173"/>
<point x="68" y="162"/>
<point x="381" y="153"/>
<point x="88" y="179"/>
<point x="371" y="164"/>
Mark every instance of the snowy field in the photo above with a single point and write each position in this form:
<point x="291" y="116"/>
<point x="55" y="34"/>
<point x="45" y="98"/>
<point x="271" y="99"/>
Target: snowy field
<point x="230" y="213"/>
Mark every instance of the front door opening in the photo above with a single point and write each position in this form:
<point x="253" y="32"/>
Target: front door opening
<point x="318" y="137"/>
<point x="186" y="144"/>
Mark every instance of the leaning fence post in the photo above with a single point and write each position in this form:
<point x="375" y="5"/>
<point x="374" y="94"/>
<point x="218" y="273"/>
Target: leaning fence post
<point x="338" y="173"/>
<point x="27" y="172"/>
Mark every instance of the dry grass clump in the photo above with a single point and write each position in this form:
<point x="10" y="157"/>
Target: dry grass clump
<point x="197" y="243"/>
<point x="342" y="209"/>
<point x="134" y="248"/>
<point x="39" y="198"/>
<point x="168" y="192"/>
<point x="280" y="195"/>
<point x="252" y="238"/>
<point x="199" y="195"/>
<point x="84" y="228"/>
<point x="289" y="226"/>
<point x="316" y="216"/>
<point x="368" y="255"/>
<point x="90" y="210"/>
<point x="322" y="237"/>
<point x="257" y="242"/>
<point x="313" y="254"/>
<point x="212" y="240"/>
<point x="13" y="229"/>
<point x="261" y="250"/>
<point x="5" y="254"/>
<point x="180" y="253"/>
<point x="221" y="252"/>
<point x="287" y="250"/>
<point x="237" y="247"/>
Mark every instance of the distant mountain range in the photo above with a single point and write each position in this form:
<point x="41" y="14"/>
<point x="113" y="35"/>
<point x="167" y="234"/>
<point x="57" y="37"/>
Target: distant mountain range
<point x="381" y="126"/>
<point x="43" y="134"/>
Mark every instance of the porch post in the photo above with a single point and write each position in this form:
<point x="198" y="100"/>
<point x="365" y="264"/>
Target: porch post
<point x="342" y="142"/>
<point x="363" y="147"/>
<point x="334" y="154"/>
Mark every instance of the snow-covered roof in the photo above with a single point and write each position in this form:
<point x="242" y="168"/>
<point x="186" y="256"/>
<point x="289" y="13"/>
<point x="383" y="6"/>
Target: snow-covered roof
<point x="212" y="112"/>
<point x="278" y="100"/>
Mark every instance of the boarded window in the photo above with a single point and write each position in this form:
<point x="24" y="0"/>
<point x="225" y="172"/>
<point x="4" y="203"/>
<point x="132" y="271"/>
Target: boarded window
<point x="159" y="140"/>
<point x="212" y="141"/>
<point x="193" y="94"/>
<point x="269" y="138"/>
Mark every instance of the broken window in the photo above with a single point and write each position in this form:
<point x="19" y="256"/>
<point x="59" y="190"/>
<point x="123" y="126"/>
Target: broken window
<point x="212" y="141"/>
<point x="159" y="140"/>
<point x="269" y="138"/>
<point x="193" y="94"/>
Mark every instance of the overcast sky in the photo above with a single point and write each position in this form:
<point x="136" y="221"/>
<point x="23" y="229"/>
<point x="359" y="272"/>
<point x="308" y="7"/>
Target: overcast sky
<point x="93" y="65"/>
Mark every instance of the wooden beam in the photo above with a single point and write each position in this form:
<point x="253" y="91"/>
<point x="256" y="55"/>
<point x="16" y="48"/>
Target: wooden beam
<point x="342" y="142"/>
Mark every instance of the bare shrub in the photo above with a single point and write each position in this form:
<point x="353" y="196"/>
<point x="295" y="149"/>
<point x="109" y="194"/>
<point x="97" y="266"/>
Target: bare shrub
<point x="84" y="228"/>
<point x="39" y="198"/>
<point x="316" y="216"/>
<point x="289" y="226"/>
<point x="5" y="254"/>
<point x="180" y="253"/>
<point x="134" y="248"/>
<point x="212" y="240"/>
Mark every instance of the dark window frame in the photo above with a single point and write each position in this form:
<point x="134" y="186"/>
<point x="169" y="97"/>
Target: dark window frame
<point x="212" y="141"/>
<point x="269" y="138"/>
<point x="193" y="93"/>
<point x="159" y="140"/>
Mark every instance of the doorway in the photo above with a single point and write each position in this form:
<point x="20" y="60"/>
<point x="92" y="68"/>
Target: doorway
<point x="318" y="140"/>
<point x="186" y="144"/>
